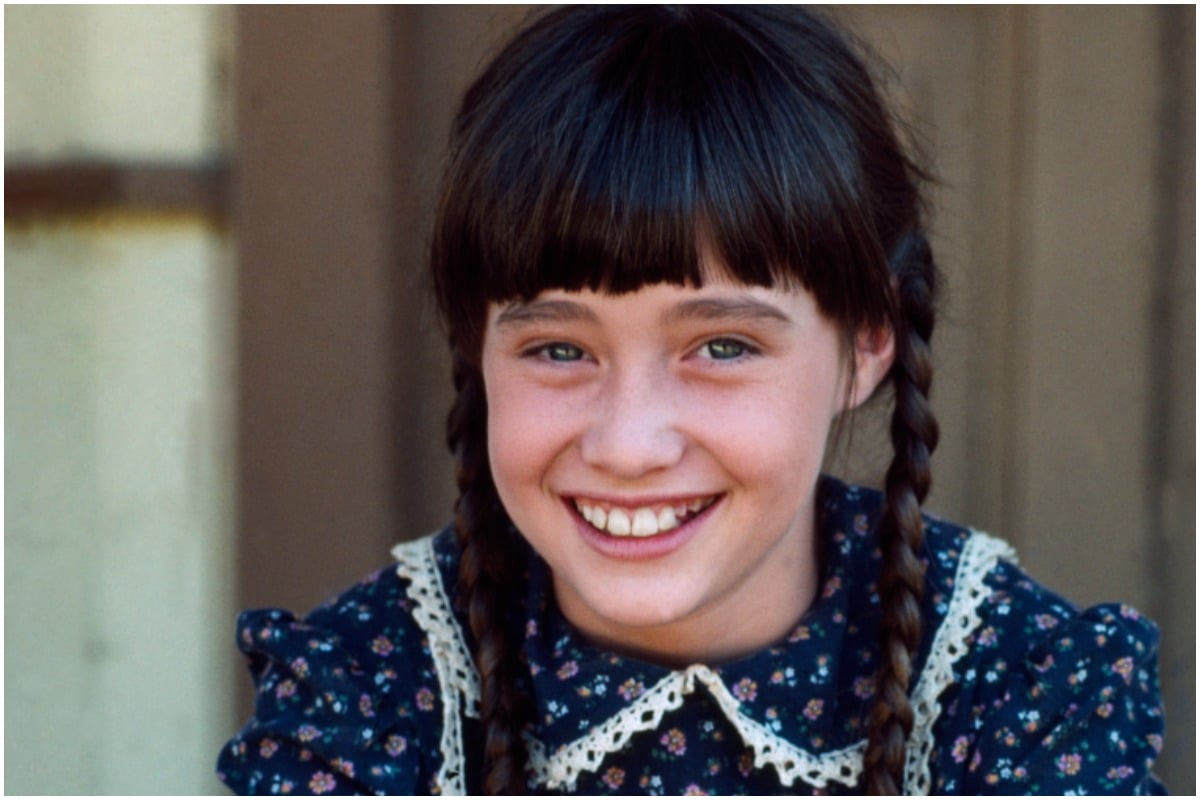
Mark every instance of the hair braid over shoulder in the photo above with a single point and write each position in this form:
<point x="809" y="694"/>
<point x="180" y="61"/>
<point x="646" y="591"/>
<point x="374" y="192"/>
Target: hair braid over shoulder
<point x="914" y="432"/>
<point x="486" y="577"/>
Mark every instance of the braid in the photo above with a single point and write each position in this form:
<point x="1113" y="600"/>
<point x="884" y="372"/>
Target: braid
<point x="486" y="575"/>
<point x="914" y="436"/>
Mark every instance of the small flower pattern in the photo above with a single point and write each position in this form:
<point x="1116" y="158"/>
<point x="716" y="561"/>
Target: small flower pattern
<point x="1048" y="699"/>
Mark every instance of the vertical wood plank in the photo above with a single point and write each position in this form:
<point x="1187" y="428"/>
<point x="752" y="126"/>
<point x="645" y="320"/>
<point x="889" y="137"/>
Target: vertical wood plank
<point x="1086" y="201"/>
<point x="313" y="231"/>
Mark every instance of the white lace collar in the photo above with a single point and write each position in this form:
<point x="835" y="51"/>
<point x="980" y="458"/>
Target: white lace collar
<point x="559" y="769"/>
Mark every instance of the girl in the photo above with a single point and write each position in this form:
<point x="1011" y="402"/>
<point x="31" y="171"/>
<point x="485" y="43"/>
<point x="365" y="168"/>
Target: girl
<point x="673" y="245"/>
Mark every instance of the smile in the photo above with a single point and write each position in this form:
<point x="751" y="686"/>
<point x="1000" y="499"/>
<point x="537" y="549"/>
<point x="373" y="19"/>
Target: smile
<point x="642" y="521"/>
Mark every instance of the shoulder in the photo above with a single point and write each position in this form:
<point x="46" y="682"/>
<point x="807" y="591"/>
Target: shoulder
<point x="347" y="697"/>
<point x="1047" y="697"/>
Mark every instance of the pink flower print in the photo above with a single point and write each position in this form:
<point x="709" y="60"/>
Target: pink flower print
<point x="864" y="688"/>
<point x="306" y="733"/>
<point x="1046" y="621"/>
<point x="1104" y="710"/>
<point x="531" y="629"/>
<point x="1069" y="763"/>
<point x="745" y="690"/>
<point x="300" y="667"/>
<point x="584" y="691"/>
<point x="777" y="677"/>
<point x="267" y="748"/>
<point x="1124" y="668"/>
<point x="812" y="711"/>
<point x="322" y="783"/>
<point x="714" y="766"/>
<point x="962" y="745"/>
<point x="395" y="745"/>
<point x="569" y="669"/>
<point x="831" y="587"/>
<point x="693" y="790"/>
<point x="674" y="741"/>
<point x="382" y="646"/>
<point x="425" y="699"/>
<point x="343" y="766"/>
<point x="286" y="688"/>
<point x="987" y="637"/>
<point x="286" y="787"/>
<point x="1155" y="741"/>
<point x="613" y="778"/>
<point x="800" y="634"/>
<point x="365" y="706"/>
<point x="631" y="689"/>
<point x="1118" y="773"/>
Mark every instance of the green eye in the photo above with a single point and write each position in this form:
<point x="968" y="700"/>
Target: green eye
<point x="561" y="351"/>
<point x="725" y="349"/>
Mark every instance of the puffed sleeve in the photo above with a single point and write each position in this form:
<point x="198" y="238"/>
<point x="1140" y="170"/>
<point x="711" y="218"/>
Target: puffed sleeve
<point x="343" y="703"/>
<point x="1064" y="701"/>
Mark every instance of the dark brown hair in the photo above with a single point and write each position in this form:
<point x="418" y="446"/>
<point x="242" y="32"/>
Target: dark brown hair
<point x="598" y="150"/>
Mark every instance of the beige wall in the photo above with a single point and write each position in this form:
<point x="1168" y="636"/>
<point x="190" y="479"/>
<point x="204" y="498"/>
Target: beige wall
<point x="118" y="525"/>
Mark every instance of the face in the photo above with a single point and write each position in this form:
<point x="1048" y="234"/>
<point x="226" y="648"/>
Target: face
<point x="660" y="450"/>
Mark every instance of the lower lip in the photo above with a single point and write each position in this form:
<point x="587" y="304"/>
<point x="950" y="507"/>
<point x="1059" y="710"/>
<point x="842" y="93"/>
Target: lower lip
<point x="633" y="548"/>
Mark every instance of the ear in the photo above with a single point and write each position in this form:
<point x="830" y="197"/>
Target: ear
<point x="874" y="352"/>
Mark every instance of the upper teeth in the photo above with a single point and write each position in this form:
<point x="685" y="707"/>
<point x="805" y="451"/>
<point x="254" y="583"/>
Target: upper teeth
<point x="643" y="521"/>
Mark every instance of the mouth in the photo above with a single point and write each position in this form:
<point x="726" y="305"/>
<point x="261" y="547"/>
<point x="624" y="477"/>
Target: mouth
<point x="640" y="522"/>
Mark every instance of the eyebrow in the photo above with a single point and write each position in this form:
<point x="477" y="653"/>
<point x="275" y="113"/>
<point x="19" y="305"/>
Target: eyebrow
<point x="721" y="309"/>
<point x="731" y="309"/>
<point x="516" y="314"/>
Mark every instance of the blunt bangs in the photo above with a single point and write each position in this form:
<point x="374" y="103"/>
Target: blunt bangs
<point x="610" y="149"/>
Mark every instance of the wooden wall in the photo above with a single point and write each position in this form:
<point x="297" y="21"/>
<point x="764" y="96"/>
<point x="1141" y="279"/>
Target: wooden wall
<point x="1064" y="144"/>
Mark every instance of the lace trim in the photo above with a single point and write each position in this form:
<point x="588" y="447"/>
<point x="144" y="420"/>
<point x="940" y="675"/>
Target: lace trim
<point x="561" y="769"/>
<point x="457" y="677"/>
<point x="459" y="683"/>
<point x="979" y="558"/>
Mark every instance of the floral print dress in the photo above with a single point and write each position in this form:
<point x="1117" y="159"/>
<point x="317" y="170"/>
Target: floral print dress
<point x="1018" y="691"/>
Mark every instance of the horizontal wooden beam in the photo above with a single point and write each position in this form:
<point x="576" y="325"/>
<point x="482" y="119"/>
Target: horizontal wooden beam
<point x="82" y="187"/>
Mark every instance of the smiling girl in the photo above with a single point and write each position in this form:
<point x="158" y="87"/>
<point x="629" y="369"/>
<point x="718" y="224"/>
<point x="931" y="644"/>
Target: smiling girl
<point x="673" y="246"/>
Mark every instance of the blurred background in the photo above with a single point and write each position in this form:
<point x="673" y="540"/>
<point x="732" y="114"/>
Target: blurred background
<point x="225" y="385"/>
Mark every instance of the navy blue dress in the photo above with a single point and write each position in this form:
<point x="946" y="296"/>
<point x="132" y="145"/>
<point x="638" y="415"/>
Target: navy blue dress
<point x="1018" y="691"/>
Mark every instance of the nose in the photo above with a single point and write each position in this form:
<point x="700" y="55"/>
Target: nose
<point x="634" y="426"/>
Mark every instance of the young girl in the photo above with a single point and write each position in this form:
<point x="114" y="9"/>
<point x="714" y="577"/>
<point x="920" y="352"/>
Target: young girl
<point x="673" y="245"/>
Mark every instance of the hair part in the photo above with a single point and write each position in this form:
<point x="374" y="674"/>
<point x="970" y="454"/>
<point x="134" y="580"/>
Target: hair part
<point x="611" y="148"/>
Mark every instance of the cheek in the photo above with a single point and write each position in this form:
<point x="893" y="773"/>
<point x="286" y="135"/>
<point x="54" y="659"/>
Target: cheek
<point x="775" y="436"/>
<point x="525" y="434"/>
